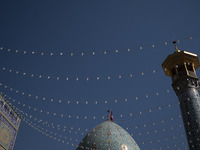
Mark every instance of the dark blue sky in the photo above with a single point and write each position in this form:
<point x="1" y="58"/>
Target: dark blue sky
<point x="74" y="27"/>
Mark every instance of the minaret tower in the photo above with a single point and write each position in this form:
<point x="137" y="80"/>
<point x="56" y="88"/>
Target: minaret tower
<point x="181" y="66"/>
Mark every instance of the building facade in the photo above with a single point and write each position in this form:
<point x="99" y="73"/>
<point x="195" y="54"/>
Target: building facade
<point x="9" y="125"/>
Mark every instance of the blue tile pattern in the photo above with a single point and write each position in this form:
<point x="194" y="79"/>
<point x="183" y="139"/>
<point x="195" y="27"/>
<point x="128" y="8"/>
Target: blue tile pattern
<point x="108" y="136"/>
<point x="9" y="113"/>
<point x="9" y="125"/>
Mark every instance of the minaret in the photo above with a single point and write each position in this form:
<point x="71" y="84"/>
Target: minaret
<point x="181" y="66"/>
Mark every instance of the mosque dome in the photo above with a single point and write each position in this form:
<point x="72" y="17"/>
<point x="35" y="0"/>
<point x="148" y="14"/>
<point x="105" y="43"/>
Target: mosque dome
<point x="108" y="136"/>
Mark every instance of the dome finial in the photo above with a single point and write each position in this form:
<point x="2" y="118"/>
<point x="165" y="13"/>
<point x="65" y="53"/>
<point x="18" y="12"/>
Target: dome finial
<point x="108" y="114"/>
<point x="176" y="49"/>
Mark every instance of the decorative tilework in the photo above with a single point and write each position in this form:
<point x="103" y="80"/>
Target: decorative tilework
<point x="14" y="120"/>
<point x="5" y="135"/>
<point x="108" y="136"/>
<point x="11" y="122"/>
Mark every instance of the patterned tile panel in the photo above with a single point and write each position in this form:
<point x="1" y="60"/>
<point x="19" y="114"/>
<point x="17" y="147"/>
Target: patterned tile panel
<point x="9" y="113"/>
<point x="5" y="135"/>
<point x="9" y="125"/>
<point x="108" y="136"/>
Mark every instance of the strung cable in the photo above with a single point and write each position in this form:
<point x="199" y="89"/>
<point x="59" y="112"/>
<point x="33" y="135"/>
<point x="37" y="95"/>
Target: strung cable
<point x="59" y="127"/>
<point x="77" y="102"/>
<point x="80" y="78"/>
<point x="148" y="111"/>
<point x="163" y="130"/>
<point x="154" y="123"/>
<point x="24" y="115"/>
<point x="171" y="146"/>
<point x="92" y="53"/>
<point x="131" y="115"/>
<point x="156" y="131"/>
<point x="136" y="127"/>
<point x="54" y="114"/>
<point x="168" y="138"/>
<point x="51" y="135"/>
<point x="53" y="125"/>
<point x="59" y="138"/>
<point x="171" y="119"/>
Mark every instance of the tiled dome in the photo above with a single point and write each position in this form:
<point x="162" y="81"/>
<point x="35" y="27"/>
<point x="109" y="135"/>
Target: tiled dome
<point x="108" y="136"/>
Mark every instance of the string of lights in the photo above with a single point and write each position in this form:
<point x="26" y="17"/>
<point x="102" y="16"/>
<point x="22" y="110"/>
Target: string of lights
<point x="43" y="98"/>
<point x="55" y="114"/>
<point x="143" y="142"/>
<point x="164" y="139"/>
<point x="23" y="115"/>
<point x="91" y="52"/>
<point x="48" y="124"/>
<point x="162" y="130"/>
<point x="154" y="123"/>
<point x="151" y="110"/>
<point x="59" y="127"/>
<point x="132" y="115"/>
<point x="59" y="138"/>
<point x="80" y="78"/>
<point x="136" y="127"/>
<point x="51" y="135"/>
<point x="156" y="131"/>
<point x="171" y="146"/>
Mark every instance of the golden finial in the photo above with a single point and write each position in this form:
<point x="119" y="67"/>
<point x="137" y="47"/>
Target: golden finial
<point x="176" y="49"/>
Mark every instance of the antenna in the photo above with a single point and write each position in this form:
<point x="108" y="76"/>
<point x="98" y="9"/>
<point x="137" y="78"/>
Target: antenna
<point x="176" y="49"/>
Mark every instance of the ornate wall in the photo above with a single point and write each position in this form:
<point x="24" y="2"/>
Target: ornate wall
<point x="9" y="125"/>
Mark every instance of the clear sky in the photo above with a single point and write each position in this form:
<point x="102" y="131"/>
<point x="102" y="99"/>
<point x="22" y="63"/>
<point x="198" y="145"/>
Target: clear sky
<point x="118" y="45"/>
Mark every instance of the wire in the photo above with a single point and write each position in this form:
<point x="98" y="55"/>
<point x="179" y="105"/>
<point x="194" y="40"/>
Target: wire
<point x="77" y="102"/>
<point x="93" y="53"/>
<point x="80" y="78"/>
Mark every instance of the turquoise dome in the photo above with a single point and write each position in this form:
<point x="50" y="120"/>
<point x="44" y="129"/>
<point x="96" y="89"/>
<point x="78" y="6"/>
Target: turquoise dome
<point x="108" y="136"/>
